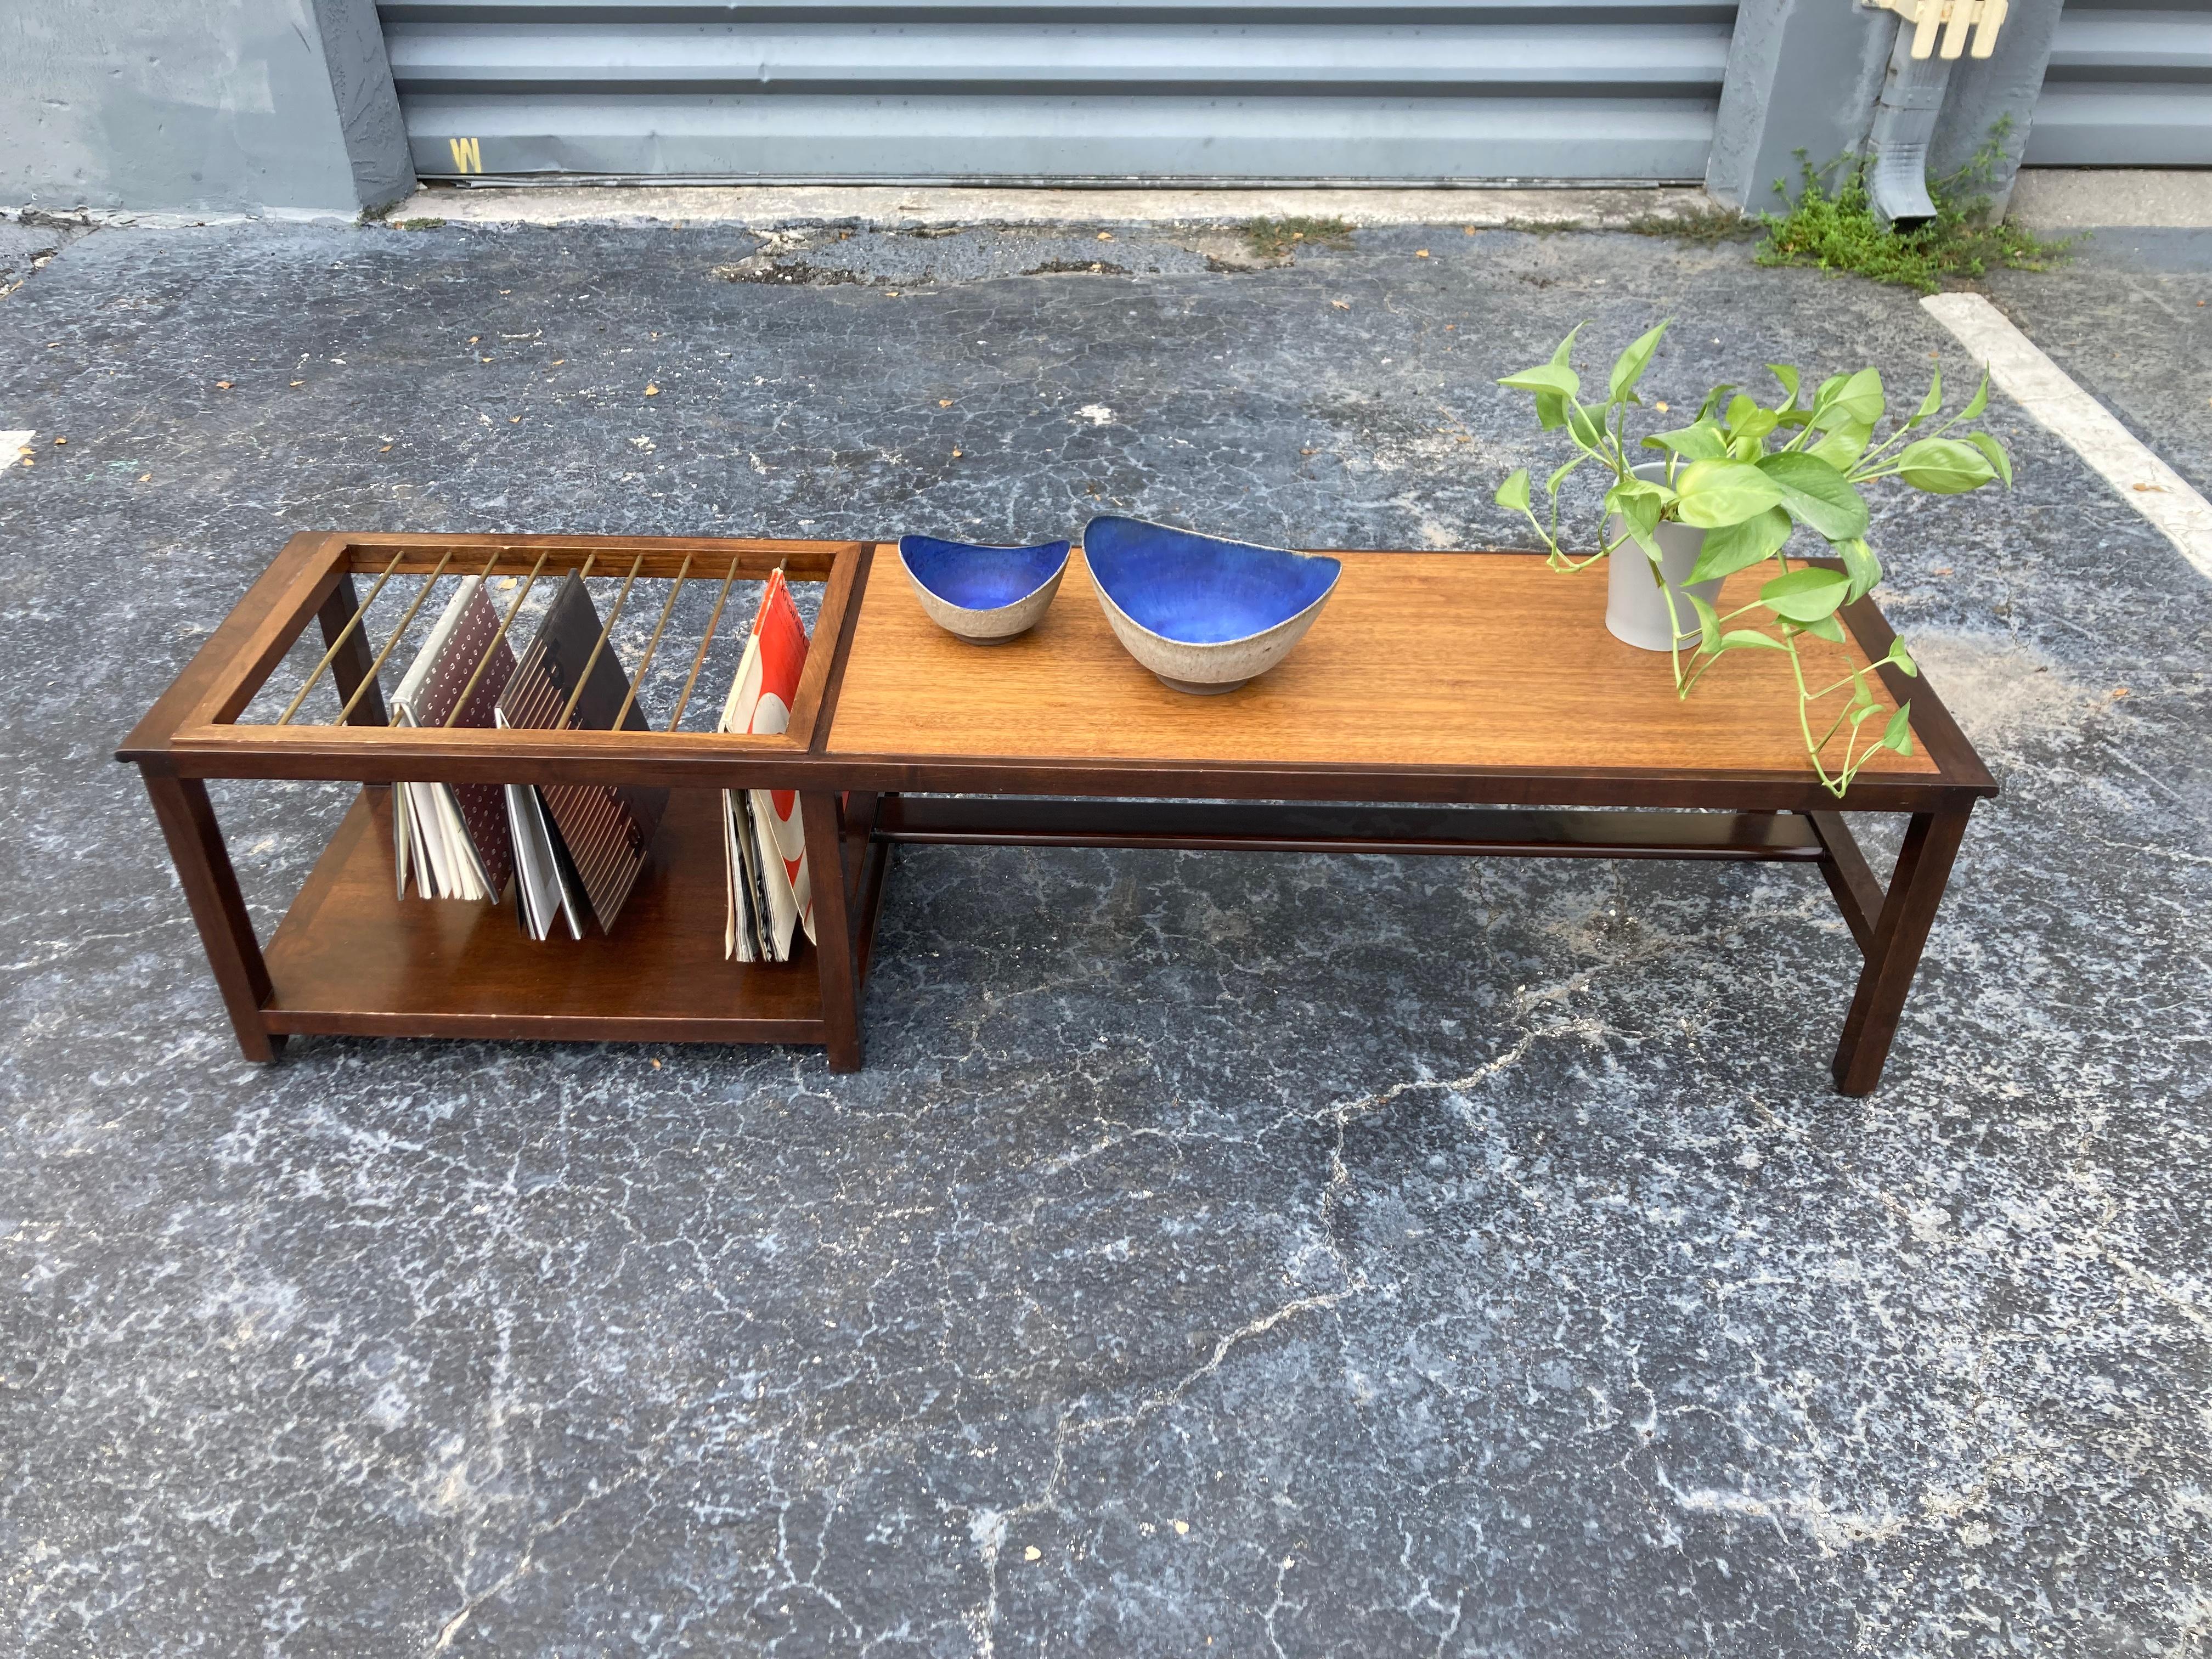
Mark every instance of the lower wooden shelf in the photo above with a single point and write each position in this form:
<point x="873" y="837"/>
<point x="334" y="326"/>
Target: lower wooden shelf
<point x="351" y="958"/>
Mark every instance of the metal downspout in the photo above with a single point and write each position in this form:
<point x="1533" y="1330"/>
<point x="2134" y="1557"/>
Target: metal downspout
<point x="1904" y="125"/>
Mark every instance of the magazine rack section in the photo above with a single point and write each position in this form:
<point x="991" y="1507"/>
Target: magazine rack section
<point x="352" y="958"/>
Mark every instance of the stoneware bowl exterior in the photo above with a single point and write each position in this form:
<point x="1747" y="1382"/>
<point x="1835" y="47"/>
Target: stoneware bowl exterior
<point x="1204" y="614"/>
<point x="985" y="595"/>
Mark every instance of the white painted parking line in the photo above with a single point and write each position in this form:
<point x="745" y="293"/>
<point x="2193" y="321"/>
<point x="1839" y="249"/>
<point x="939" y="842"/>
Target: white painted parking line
<point x="2086" y="427"/>
<point x="14" y="445"/>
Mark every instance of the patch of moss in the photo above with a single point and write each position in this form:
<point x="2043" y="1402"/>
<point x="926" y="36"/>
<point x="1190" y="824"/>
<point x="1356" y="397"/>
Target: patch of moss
<point x="1704" y="226"/>
<point x="1273" y="238"/>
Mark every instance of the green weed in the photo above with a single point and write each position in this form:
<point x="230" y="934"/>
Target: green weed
<point x="1838" y="231"/>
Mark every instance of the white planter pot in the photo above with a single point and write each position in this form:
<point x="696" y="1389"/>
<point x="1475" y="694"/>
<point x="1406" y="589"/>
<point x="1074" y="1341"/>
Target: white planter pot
<point x="1635" y="611"/>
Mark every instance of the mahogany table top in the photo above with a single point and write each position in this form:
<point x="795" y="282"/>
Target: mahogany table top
<point x="1473" y="662"/>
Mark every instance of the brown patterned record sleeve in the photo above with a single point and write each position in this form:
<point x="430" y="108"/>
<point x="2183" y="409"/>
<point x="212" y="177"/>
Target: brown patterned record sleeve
<point x="605" y="829"/>
<point x="483" y="805"/>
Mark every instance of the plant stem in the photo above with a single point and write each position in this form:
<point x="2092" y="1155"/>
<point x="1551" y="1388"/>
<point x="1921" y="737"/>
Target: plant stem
<point x="1805" y="722"/>
<point x="1699" y="672"/>
<point x="1846" y="680"/>
<point x="1674" y="623"/>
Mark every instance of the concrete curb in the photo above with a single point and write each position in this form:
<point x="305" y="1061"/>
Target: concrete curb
<point x="88" y="219"/>
<point x="2088" y="198"/>
<point x="888" y="208"/>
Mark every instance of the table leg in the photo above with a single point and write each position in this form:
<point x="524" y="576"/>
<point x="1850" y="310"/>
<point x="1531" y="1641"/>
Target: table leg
<point x="1923" y="865"/>
<point x="1857" y="891"/>
<point x="874" y="868"/>
<point x="833" y="929"/>
<point x="857" y="813"/>
<point x="188" y="823"/>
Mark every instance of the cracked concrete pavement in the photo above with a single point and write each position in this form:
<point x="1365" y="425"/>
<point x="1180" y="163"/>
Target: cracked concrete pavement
<point x="1218" y="1255"/>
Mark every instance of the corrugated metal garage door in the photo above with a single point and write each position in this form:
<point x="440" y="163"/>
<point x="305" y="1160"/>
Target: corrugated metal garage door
<point x="1020" y="90"/>
<point x="2128" y="86"/>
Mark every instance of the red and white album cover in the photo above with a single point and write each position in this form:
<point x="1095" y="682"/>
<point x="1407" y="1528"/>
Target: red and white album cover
<point x="760" y="702"/>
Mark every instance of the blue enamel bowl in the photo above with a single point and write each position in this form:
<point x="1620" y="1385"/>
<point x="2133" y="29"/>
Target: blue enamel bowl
<point x="1204" y="614"/>
<point x="985" y="595"/>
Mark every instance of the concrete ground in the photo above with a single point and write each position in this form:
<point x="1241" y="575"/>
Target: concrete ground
<point x="1218" y="1256"/>
<point x="2130" y="320"/>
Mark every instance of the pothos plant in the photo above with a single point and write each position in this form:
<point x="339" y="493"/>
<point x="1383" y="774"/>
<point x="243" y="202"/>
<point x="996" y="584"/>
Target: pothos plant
<point x="1749" y="474"/>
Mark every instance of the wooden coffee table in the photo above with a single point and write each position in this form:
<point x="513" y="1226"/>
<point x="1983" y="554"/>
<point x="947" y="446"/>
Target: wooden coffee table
<point x="1477" y="694"/>
<point x="1480" y="693"/>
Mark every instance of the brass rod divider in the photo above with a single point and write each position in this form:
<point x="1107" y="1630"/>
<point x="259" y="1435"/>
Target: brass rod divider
<point x="397" y="634"/>
<point x="599" y="644"/>
<point x="344" y="634"/>
<point x="506" y="622"/>
<point x="700" y="661"/>
<point x="637" y="680"/>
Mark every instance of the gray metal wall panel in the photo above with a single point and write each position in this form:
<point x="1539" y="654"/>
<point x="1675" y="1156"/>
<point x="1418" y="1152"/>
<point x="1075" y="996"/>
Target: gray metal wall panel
<point x="2127" y="86"/>
<point x="1034" y="90"/>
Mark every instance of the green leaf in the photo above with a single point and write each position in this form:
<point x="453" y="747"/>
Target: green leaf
<point x="1738" y="546"/>
<point x="1944" y="467"/>
<point x="1903" y="659"/>
<point x="1805" y="594"/>
<point x="1700" y="442"/>
<point x="1712" y="494"/>
<point x="1589" y="430"/>
<point x="1751" y="637"/>
<point x="1827" y="390"/>
<point x="1757" y="424"/>
<point x="1713" y="400"/>
<point x="1637" y="503"/>
<point x="1826" y="628"/>
<point x="1513" y="494"/>
<point x="1638" y="506"/>
<point x="1554" y="383"/>
<point x="1628" y="368"/>
<point x="1995" y="453"/>
<point x="1929" y="404"/>
<point x="1861" y="565"/>
<point x="1817" y="495"/>
<point x="1857" y="401"/>
<point x="1788" y="376"/>
<point x="1740" y="407"/>
<point x="1980" y="400"/>
<point x="1709" y="624"/>
<point x="1861" y="693"/>
<point x="1842" y="448"/>
<point x="1897" y="734"/>
<point x="1552" y="485"/>
<point x="1544" y="377"/>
